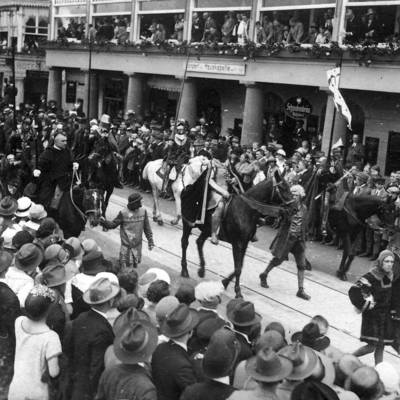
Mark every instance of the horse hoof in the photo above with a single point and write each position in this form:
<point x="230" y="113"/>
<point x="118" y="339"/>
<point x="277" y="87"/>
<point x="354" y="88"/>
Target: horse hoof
<point x="341" y="275"/>
<point x="225" y="282"/>
<point x="239" y="295"/>
<point x="185" y="273"/>
<point x="201" y="272"/>
<point x="160" y="222"/>
<point x="155" y="219"/>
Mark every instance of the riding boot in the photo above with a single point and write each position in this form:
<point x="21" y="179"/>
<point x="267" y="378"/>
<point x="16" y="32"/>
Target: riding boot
<point x="301" y="293"/>
<point x="264" y="275"/>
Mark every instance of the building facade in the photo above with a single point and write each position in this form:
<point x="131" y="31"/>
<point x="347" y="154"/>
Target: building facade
<point x="240" y="87"/>
<point x="24" y="27"/>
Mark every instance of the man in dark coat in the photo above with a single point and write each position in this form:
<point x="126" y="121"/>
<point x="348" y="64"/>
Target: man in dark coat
<point x="55" y="171"/>
<point x="356" y="153"/>
<point x="90" y="336"/>
<point x="157" y="147"/>
<point x="171" y="365"/>
<point x="291" y="238"/>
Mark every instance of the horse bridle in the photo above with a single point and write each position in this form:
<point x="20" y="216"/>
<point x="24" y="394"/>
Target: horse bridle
<point x="276" y="187"/>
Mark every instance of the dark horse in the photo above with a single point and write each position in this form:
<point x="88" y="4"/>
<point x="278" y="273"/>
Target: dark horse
<point x="348" y="220"/>
<point x="103" y="174"/>
<point x="238" y="225"/>
<point x="86" y="206"/>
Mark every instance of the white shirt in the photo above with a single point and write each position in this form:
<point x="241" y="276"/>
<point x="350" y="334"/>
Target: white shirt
<point x="181" y="344"/>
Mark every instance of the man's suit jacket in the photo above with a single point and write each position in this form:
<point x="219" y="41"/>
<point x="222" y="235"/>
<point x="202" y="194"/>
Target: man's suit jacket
<point x="356" y="154"/>
<point x="172" y="370"/>
<point x="210" y="390"/>
<point x="85" y="345"/>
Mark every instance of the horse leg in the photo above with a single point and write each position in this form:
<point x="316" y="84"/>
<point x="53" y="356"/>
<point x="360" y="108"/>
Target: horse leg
<point x="226" y="281"/>
<point x="177" y="196"/>
<point x="156" y="207"/>
<point x="341" y="272"/>
<point x="107" y="197"/>
<point x="200" y="243"/>
<point x="184" y="244"/>
<point x="239" y="250"/>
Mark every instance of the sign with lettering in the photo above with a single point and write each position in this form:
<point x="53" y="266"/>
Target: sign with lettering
<point x="298" y="108"/>
<point x="216" y="68"/>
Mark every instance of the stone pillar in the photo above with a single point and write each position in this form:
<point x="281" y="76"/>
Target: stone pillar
<point x="253" y="115"/>
<point x="339" y="130"/>
<point x="19" y="84"/>
<point x="100" y="102"/>
<point x="54" y="86"/>
<point x="134" y="95"/>
<point x="188" y="104"/>
<point x="92" y="92"/>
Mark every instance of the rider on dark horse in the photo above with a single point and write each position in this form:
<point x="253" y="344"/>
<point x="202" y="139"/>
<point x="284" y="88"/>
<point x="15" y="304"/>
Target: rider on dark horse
<point x="54" y="171"/>
<point x="178" y="155"/>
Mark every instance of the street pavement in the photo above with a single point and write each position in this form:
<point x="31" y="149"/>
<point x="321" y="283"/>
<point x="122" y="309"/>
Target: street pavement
<point x="328" y="294"/>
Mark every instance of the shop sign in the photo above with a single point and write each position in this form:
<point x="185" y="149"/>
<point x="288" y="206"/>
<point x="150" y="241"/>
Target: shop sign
<point x="216" y="68"/>
<point x="298" y="108"/>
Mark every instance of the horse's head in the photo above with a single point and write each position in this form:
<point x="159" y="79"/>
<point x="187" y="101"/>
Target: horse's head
<point x="197" y="165"/>
<point x="387" y="212"/>
<point x="93" y="205"/>
<point x="281" y="193"/>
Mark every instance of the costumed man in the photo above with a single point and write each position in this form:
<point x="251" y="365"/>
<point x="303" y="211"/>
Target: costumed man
<point x="291" y="238"/>
<point x="178" y="155"/>
<point x="55" y="172"/>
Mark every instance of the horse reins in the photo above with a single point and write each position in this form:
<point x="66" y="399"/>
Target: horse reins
<point x="78" y="178"/>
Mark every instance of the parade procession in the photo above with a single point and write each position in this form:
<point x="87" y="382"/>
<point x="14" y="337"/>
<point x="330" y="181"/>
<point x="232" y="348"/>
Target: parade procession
<point x="199" y="199"/>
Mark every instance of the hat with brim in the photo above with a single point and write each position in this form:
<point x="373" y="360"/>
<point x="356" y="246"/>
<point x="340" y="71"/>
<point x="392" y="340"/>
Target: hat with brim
<point x="313" y="390"/>
<point x="310" y="336"/>
<point x="268" y="366"/>
<point x="28" y="257"/>
<point x="128" y="317"/>
<point x="179" y="321"/>
<point x="304" y="360"/>
<point x="100" y="291"/>
<point x="37" y="212"/>
<point x="93" y="263"/>
<point x="24" y="205"/>
<point x="54" y="275"/>
<point x="136" y="343"/>
<point x="243" y="314"/>
<point x="8" y="206"/>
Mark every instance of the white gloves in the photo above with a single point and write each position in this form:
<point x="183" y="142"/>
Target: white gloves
<point x="36" y="173"/>
<point x="75" y="166"/>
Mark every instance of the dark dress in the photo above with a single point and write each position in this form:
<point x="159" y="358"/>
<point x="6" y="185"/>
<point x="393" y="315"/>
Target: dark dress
<point x="376" y="322"/>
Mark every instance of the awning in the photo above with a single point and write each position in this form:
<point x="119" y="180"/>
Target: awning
<point x="165" y="83"/>
<point x="7" y="4"/>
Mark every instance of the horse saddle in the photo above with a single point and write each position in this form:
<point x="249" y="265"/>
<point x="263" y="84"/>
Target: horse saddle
<point x="339" y="205"/>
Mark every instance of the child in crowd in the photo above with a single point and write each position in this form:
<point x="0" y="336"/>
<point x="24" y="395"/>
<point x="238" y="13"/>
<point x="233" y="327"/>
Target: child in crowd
<point x="37" y="348"/>
<point x="133" y="222"/>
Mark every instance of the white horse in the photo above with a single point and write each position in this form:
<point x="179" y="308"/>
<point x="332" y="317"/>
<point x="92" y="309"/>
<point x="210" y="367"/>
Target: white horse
<point x="188" y="175"/>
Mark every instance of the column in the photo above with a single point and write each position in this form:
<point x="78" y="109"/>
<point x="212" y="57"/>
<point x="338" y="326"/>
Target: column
<point x="100" y="102"/>
<point x="188" y="103"/>
<point x="253" y="115"/>
<point x="339" y="130"/>
<point x="19" y="85"/>
<point x="134" y="95"/>
<point x="90" y="103"/>
<point x="54" y="85"/>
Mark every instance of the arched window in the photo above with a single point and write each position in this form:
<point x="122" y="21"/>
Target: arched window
<point x="30" y="25"/>
<point x="43" y="25"/>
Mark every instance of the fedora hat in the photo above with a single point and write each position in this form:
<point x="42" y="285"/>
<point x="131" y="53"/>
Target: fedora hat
<point x="179" y="321"/>
<point x="55" y="253"/>
<point x="310" y="336"/>
<point x="24" y="205"/>
<point x="54" y="275"/>
<point x="28" y="257"/>
<point x="127" y="318"/>
<point x="243" y="314"/>
<point x="93" y="262"/>
<point x="8" y="206"/>
<point x="304" y="360"/>
<point x="207" y="327"/>
<point x="100" y="291"/>
<point x="268" y="366"/>
<point x="5" y="260"/>
<point x="37" y="212"/>
<point x="136" y="342"/>
<point x="164" y="306"/>
<point x="221" y="354"/>
<point x="271" y="339"/>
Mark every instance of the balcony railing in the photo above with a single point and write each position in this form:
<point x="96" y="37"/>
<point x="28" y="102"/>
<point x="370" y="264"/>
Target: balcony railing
<point x="68" y="2"/>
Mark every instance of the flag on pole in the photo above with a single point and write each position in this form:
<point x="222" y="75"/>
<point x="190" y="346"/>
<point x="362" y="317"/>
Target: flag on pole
<point x="340" y="103"/>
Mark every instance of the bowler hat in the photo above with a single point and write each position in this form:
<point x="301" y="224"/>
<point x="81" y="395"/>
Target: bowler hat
<point x="243" y="314"/>
<point x="310" y="336"/>
<point x="221" y="354"/>
<point x="54" y="275"/>
<point x="24" y="205"/>
<point x="136" y="342"/>
<point x="8" y="206"/>
<point x="28" y="257"/>
<point x="304" y="360"/>
<point x="5" y="260"/>
<point x="100" y="291"/>
<point x="179" y="321"/>
<point x="268" y="366"/>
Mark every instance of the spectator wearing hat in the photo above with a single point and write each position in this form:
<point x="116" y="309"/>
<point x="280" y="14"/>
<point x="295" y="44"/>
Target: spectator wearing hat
<point x="218" y="363"/>
<point x="171" y="365"/>
<point x="8" y="227"/>
<point x="246" y="323"/>
<point x="365" y="383"/>
<point x="37" y="348"/>
<point x="156" y="291"/>
<point x="356" y="152"/>
<point x="304" y="361"/>
<point x="48" y="233"/>
<point x="281" y="161"/>
<point x="21" y="238"/>
<point x="268" y="369"/>
<point x="24" y="205"/>
<point x="54" y="277"/>
<point x="163" y="308"/>
<point x="20" y="276"/>
<point x="90" y="335"/>
<point x="9" y="311"/>
<point x="313" y="390"/>
<point x="36" y="214"/>
<point x="269" y="339"/>
<point x="133" y="346"/>
<point x="133" y="222"/>
<point x="157" y="146"/>
<point x="389" y="377"/>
